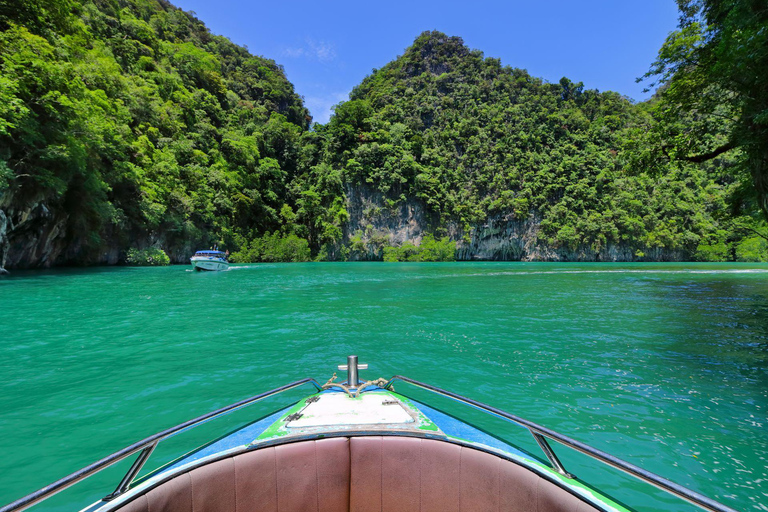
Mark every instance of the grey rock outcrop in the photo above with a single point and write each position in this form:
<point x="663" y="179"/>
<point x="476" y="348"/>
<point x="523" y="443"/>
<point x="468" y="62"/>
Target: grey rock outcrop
<point x="506" y="238"/>
<point x="3" y="238"/>
<point x="31" y="235"/>
<point x="35" y="236"/>
<point x="500" y="238"/>
<point x="378" y="224"/>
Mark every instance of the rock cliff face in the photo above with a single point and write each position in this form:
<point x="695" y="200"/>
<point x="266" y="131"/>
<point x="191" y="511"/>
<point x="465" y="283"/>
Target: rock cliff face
<point x="36" y="235"/>
<point x="500" y="238"/>
<point x="508" y="239"/>
<point x="31" y="235"/>
<point x="3" y="239"/>
<point x="377" y="223"/>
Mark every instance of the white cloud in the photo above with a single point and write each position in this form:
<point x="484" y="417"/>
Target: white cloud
<point x="321" y="106"/>
<point x="293" y="52"/>
<point x="323" y="51"/>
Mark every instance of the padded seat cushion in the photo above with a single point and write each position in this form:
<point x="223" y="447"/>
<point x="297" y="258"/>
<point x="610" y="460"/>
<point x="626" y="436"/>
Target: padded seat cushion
<point x="359" y="474"/>
<point x="311" y="476"/>
<point x="405" y="474"/>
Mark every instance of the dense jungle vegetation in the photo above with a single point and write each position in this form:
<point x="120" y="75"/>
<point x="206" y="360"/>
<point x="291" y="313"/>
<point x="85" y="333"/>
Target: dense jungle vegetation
<point x="134" y="127"/>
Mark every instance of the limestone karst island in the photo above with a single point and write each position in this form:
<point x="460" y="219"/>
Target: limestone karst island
<point x="128" y="128"/>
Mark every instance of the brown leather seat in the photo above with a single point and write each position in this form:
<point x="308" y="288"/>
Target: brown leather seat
<point x="359" y="474"/>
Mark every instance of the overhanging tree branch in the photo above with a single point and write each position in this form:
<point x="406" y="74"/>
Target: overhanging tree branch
<point x="738" y="225"/>
<point x="710" y="155"/>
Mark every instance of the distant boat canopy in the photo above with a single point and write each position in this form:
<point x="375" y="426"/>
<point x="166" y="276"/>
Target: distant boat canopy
<point x="210" y="260"/>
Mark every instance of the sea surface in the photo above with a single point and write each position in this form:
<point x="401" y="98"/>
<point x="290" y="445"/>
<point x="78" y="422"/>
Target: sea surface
<point x="664" y="365"/>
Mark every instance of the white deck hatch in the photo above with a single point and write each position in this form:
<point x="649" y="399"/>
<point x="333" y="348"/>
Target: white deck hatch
<point x="339" y="409"/>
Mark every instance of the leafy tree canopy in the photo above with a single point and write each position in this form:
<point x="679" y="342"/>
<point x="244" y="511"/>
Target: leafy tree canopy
<point x="714" y="72"/>
<point x="132" y="122"/>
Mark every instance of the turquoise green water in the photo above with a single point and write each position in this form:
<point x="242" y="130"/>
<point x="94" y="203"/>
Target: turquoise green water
<point x="661" y="364"/>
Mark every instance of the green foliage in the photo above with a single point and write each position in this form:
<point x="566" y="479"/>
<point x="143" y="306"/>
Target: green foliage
<point x="714" y="70"/>
<point x="437" y="249"/>
<point x="712" y="252"/>
<point x="754" y="248"/>
<point x="405" y="252"/>
<point x="367" y="245"/>
<point x="40" y="15"/>
<point x="149" y="257"/>
<point x="273" y="248"/>
<point x="430" y="249"/>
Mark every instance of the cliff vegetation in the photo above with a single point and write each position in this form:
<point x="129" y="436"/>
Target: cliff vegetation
<point x="126" y="125"/>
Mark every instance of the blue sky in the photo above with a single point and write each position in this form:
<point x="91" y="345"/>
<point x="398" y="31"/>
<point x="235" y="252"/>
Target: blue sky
<point x="328" y="47"/>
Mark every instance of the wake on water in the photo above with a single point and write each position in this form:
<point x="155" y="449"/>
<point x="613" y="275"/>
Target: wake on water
<point x="239" y="267"/>
<point x="632" y="271"/>
<point x="563" y="271"/>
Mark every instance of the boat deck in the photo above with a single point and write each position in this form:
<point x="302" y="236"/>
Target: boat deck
<point x="332" y="413"/>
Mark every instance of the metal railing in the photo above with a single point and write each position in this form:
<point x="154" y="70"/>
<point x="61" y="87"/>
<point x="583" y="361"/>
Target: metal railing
<point x="541" y="434"/>
<point x="145" y="446"/>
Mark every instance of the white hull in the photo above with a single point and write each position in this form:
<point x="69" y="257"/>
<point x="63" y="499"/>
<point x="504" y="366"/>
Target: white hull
<point x="209" y="264"/>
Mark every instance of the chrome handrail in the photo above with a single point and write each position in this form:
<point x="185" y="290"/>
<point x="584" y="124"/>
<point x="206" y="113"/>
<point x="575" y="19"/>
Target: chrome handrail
<point x="145" y="446"/>
<point x="540" y="432"/>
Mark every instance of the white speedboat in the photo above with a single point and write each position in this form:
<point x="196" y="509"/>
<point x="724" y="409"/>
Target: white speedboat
<point x="361" y="447"/>
<point x="209" y="260"/>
